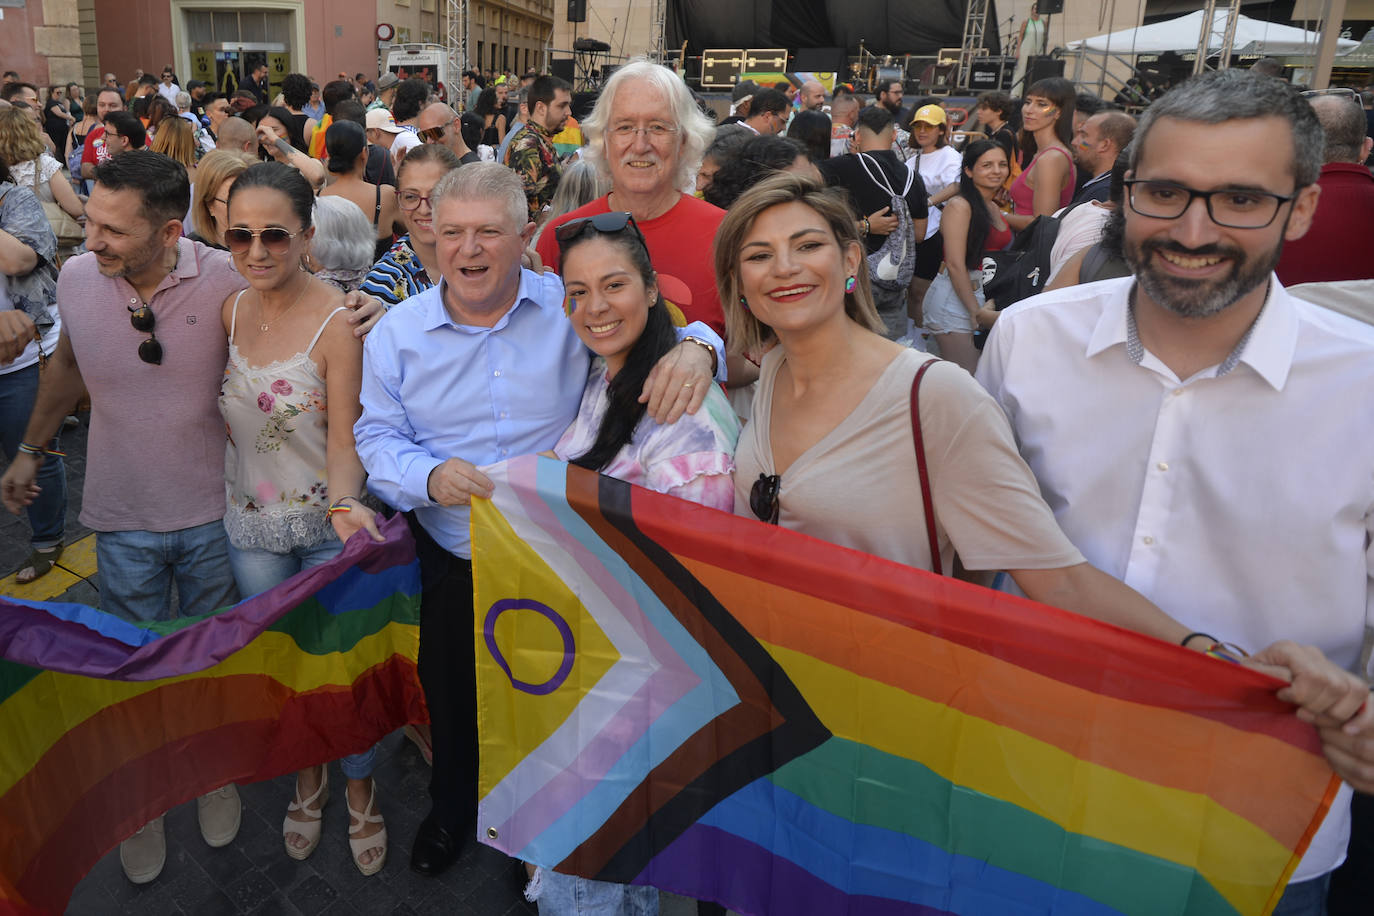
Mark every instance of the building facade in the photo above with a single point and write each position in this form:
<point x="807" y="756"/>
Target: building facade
<point x="41" y="40"/>
<point x="512" y="35"/>
<point x="220" y="41"/>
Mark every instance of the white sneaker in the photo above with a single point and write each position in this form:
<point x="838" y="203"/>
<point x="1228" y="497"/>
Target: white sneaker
<point x="220" y="813"/>
<point x="144" y="853"/>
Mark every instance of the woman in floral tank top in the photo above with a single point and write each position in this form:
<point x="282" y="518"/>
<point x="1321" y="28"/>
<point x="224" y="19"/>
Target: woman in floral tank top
<point x="289" y="399"/>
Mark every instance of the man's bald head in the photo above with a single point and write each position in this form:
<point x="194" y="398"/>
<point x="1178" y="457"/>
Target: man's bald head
<point x="844" y="109"/>
<point x="436" y="114"/>
<point x="1344" y="123"/>
<point x="237" y="136"/>
<point x="812" y="96"/>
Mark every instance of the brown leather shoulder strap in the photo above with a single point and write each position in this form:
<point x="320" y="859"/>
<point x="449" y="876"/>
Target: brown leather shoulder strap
<point x="926" y="500"/>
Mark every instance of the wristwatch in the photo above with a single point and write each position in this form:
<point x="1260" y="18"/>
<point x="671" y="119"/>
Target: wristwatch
<point x="708" y="348"/>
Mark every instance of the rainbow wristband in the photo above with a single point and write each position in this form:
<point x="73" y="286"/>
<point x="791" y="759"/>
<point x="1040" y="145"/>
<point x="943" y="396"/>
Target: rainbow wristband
<point x="39" y="452"/>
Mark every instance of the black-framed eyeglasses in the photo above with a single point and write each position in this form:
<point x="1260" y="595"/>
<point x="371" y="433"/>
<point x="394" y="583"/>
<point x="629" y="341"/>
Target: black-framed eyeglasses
<point x="763" y="497"/>
<point x="608" y="223"/>
<point x="143" y="321"/>
<point x="1235" y="208"/>
<point x="276" y="240"/>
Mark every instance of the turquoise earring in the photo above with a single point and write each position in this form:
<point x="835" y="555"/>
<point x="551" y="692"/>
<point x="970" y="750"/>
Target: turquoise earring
<point x="849" y="284"/>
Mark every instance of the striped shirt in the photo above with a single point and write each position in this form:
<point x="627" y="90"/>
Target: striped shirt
<point x="398" y="275"/>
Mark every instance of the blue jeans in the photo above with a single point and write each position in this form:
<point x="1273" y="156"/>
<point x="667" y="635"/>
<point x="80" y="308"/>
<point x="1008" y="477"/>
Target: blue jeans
<point x="257" y="570"/>
<point x="48" y="513"/>
<point x="568" y="895"/>
<point x="1305" y="898"/>
<point x="136" y="570"/>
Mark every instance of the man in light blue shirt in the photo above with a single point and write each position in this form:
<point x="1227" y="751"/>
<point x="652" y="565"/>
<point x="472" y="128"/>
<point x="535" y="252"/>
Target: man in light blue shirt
<point x="482" y="367"/>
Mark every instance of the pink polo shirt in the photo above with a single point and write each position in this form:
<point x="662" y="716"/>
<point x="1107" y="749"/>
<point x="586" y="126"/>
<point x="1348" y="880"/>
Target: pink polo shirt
<point x="155" y="456"/>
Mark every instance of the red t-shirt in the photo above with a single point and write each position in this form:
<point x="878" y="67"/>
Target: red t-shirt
<point x="94" y="150"/>
<point x="1340" y="244"/>
<point x="679" y="245"/>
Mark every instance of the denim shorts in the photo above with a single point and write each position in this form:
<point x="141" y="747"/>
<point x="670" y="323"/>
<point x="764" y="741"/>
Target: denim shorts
<point x="942" y="312"/>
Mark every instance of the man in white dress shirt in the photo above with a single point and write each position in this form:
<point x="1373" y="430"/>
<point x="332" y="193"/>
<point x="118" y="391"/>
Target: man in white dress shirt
<point x="1201" y="434"/>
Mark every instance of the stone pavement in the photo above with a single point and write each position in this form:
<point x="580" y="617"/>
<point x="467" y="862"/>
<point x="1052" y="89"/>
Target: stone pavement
<point x="253" y="875"/>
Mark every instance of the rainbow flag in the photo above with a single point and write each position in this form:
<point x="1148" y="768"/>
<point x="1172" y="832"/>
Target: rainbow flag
<point x="674" y="696"/>
<point x="107" y="724"/>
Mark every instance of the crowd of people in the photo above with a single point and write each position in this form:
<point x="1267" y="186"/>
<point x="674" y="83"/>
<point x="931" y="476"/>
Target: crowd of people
<point x="377" y="296"/>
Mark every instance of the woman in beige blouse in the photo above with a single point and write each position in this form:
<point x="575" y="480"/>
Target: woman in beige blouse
<point x="829" y="451"/>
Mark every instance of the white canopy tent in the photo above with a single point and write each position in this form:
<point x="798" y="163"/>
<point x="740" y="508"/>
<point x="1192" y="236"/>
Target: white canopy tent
<point x="1253" y="36"/>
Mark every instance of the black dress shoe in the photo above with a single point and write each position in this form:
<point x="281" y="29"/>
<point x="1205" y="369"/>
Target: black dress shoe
<point x="435" y="849"/>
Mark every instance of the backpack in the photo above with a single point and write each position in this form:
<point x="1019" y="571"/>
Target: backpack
<point x="74" y="161"/>
<point x="1022" y="269"/>
<point x="891" y="266"/>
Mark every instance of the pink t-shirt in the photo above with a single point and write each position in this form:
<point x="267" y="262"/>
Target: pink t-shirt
<point x="155" y="456"/>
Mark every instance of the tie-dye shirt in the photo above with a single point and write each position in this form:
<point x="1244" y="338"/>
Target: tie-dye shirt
<point x="692" y="459"/>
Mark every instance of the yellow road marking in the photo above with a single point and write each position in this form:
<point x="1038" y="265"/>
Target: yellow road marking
<point x="77" y="563"/>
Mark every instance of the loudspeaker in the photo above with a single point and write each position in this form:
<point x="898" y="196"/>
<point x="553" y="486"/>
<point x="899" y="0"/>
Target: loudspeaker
<point x="1050" y="7"/>
<point x="820" y="60"/>
<point x="583" y="103"/>
<point x="1042" y="68"/>
<point x="562" y="67"/>
<point x="986" y="75"/>
<point x="577" y="10"/>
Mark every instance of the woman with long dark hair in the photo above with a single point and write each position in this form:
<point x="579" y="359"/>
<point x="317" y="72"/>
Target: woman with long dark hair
<point x="954" y="307"/>
<point x="616" y="309"/>
<point x="1046" y="182"/>
<point x="493" y="119"/>
<point x="346" y="144"/>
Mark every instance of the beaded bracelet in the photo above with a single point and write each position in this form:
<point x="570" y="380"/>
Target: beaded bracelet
<point x="39" y="452"/>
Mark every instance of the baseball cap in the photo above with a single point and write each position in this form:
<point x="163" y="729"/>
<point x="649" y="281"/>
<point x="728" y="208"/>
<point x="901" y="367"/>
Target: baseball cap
<point x="386" y="81"/>
<point x="381" y="119"/>
<point x="929" y="114"/>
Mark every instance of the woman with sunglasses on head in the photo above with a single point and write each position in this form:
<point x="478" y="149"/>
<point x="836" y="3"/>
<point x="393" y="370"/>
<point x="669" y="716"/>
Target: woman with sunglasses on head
<point x="1046" y="184"/>
<point x="954" y="307"/>
<point x="346" y="144"/>
<point x="831" y="451"/>
<point x="616" y="309"/>
<point x="292" y="471"/>
<point x="406" y="269"/>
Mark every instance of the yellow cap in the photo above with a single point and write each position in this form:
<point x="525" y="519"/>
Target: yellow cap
<point x="929" y="114"/>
